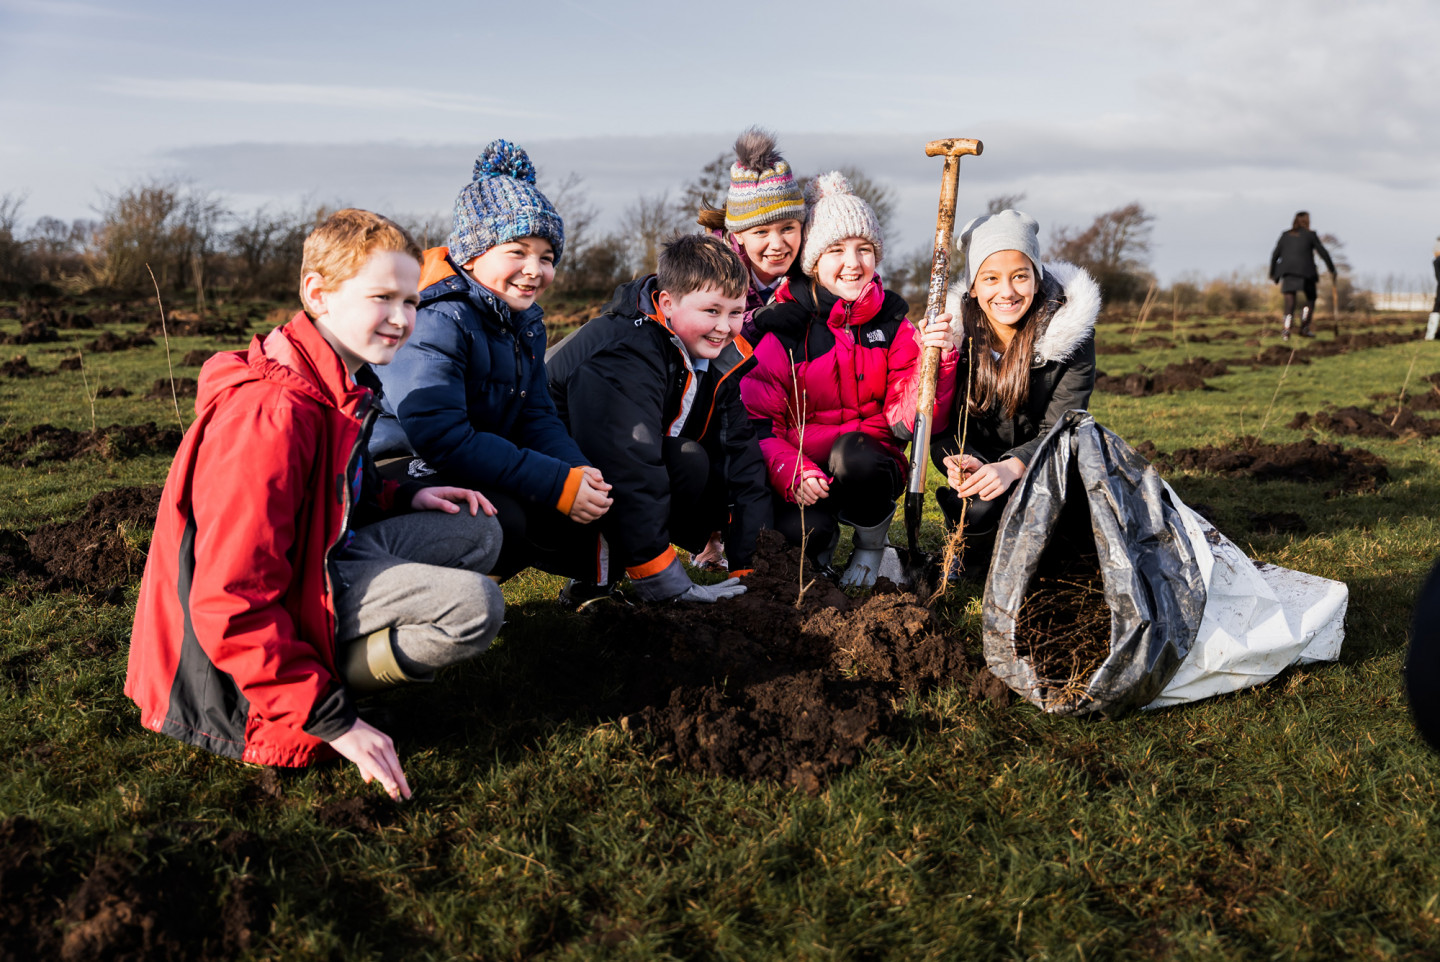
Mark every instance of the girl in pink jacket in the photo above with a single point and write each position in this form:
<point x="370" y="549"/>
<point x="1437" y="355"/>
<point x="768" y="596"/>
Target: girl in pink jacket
<point x="833" y="393"/>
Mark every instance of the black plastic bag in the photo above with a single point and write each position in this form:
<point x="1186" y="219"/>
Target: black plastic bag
<point x="1089" y="509"/>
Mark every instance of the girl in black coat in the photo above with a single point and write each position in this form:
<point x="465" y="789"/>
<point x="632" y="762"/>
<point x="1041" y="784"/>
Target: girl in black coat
<point x="1030" y="358"/>
<point x="1292" y="266"/>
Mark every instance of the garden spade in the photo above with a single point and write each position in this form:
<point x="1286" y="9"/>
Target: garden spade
<point x="916" y="564"/>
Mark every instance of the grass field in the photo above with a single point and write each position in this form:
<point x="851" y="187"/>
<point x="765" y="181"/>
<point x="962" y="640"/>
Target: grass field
<point x="1292" y="821"/>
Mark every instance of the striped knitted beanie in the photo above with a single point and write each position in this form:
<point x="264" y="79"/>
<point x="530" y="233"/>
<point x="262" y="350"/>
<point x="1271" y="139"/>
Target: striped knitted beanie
<point x="835" y="214"/>
<point x="501" y="205"/>
<point x="762" y="187"/>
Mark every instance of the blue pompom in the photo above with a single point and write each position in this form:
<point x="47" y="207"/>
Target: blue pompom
<point x="500" y="158"/>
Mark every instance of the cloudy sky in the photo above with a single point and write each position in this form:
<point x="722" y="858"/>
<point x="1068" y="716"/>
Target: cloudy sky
<point x="1221" y="117"/>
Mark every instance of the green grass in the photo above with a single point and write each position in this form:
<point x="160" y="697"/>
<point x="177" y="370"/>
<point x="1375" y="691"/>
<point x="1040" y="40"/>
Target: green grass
<point x="1293" y="821"/>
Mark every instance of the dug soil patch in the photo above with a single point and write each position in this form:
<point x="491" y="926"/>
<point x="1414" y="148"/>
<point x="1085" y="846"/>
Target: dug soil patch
<point x="161" y="390"/>
<point x="101" y="551"/>
<point x="1185" y="376"/>
<point x="62" y="903"/>
<point x="1393" y="422"/>
<point x="1307" y="461"/>
<point x="756" y="688"/>
<point x="109" y="342"/>
<point x="47" y="442"/>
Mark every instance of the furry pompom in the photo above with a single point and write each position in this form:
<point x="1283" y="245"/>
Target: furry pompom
<point x="755" y="149"/>
<point x="500" y="158"/>
<point x="826" y="185"/>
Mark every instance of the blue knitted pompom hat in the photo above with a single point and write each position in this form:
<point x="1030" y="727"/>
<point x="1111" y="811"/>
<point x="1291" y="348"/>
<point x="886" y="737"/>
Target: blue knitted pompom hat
<point x="502" y="204"/>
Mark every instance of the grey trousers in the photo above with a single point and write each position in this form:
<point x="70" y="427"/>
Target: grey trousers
<point x="423" y="575"/>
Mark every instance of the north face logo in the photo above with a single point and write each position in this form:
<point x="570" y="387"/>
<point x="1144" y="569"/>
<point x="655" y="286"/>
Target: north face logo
<point x="875" y="337"/>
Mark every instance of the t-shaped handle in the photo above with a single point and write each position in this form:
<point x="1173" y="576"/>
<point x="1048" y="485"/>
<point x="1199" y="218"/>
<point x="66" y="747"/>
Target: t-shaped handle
<point x="954" y="147"/>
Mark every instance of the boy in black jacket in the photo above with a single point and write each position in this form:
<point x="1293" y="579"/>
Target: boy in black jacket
<point x="650" y="390"/>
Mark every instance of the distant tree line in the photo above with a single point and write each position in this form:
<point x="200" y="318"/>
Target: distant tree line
<point x="195" y="245"/>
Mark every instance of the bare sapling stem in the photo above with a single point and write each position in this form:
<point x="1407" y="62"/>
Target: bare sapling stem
<point x="1403" y="387"/>
<point x="91" y="396"/>
<point x="955" y="543"/>
<point x="165" y="334"/>
<point x="1145" y="306"/>
<point x="1278" y="384"/>
<point x="799" y="402"/>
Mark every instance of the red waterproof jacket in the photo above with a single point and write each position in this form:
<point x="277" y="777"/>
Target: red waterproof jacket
<point x="839" y="366"/>
<point x="233" y="648"/>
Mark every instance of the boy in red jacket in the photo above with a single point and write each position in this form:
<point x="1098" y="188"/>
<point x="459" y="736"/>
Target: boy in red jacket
<point x="276" y="589"/>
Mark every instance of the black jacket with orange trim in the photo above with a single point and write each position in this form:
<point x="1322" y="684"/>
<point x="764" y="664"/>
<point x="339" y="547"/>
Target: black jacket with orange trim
<point x="622" y="384"/>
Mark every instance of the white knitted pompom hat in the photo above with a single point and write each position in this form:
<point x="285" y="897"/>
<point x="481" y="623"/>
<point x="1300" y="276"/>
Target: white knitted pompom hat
<point x="835" y="214"/>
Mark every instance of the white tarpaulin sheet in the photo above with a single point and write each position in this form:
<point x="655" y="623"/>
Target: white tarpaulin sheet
<point x="1258" y="619"/>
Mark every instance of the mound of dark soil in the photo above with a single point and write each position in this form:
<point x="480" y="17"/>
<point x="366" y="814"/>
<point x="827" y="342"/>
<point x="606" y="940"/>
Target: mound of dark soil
<point x="1183" y="376"/>
<point x="19" y="366"/>
<point x="32" y="332"/>
<point x="1394" y="422"/>
<point x="46" y="442"/>
<point x="197" y="357"/>
<point x="112" y="392"/>
<point x="109" y="342"/>
<point x="145" y="905"/>
<point x="1114" y="349"/>
<point x="183" y="326"/>
<point x="1306" y="461"/>
<point x="101" y="551"/>
<point x="759" y="689"/>
<point x="160" y="390"/>
<point x="70" y="364"/>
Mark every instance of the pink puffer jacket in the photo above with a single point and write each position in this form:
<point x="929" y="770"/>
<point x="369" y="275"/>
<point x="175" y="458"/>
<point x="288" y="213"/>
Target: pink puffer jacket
<point x="837" y="366"/>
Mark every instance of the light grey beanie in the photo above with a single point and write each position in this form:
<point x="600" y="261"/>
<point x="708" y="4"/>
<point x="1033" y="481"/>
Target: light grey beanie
<point x="1009" y="230"/>
<point x="835" y="214"/>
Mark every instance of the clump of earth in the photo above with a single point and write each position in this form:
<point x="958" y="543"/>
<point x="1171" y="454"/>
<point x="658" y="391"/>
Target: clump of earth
<point x="759" y="688"/>
<point x="1355" y="469"/>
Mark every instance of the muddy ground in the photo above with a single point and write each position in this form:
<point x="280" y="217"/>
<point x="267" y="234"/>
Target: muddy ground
<point x="1355" y="469"/>
<point x="50" y="443"/>
<point x="755" y="688"/>
<point x="1393" y="422"/>
<point x="160" y="901"/>
<point x="1184" y="376"/>
<point x="99" y="552"/>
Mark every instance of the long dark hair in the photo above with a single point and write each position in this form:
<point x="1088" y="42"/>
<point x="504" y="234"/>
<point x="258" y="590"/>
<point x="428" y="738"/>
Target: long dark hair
<point x="1004" y="383"/>
<point x="1301" y="221"/>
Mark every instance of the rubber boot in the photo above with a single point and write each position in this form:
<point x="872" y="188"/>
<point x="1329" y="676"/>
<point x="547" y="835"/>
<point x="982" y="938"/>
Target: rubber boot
<point x="1432" y="327"/>
<point x="368" y="664"/>
<point x="870" y="542"/>
<point x="1285" y="330"/>
<point x="1305" y="321"/>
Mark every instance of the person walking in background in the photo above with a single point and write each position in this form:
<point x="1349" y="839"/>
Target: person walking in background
<point x="1292" y="266"/>
<point x="1430" y="328"/>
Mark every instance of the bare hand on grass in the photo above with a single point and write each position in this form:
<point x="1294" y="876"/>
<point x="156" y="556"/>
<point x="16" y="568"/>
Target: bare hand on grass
<point x="593" y="498"/>
<point x="373" y="753"/>
<point x="447" y="499"/>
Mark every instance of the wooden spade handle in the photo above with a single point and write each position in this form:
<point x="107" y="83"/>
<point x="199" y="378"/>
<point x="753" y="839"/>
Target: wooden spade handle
<point x="952" y="150"/>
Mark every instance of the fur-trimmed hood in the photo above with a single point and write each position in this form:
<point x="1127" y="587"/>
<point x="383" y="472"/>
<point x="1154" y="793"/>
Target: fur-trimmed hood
<point x="1070" y="303"/>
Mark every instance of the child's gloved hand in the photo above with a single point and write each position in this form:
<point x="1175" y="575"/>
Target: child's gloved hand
<point x="673" y="584"/>
<point x="709" y="594"/>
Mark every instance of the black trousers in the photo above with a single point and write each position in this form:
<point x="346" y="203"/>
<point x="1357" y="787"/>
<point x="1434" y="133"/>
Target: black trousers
<point x="867" y="482"/>
<point x="699" y="496"/>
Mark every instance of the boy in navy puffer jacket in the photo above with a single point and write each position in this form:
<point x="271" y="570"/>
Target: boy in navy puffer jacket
<point x="466" y="399"/>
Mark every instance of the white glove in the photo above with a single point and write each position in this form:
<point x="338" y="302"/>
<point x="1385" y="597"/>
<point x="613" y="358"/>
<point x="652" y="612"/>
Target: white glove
<point x="709" y="594"/>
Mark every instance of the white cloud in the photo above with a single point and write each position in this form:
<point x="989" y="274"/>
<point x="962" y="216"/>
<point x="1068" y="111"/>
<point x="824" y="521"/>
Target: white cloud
<point x="312" y="95"/>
